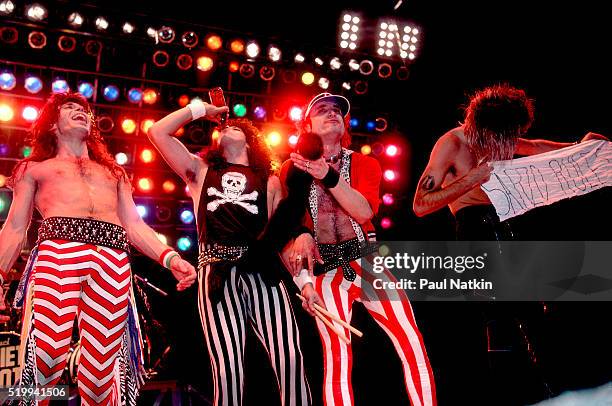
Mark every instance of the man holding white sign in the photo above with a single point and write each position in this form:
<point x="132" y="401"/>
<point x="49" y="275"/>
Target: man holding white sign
<point x="496" y="119"/>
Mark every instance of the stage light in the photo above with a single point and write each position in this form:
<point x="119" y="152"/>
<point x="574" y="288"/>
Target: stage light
<point x="353" y="65"/>
<point x="162" y="238"/>
<point x="169" y="186"/>
<point x="3" y="204"/>
<point x="366" y="67"/>
<point x="391" y="150"/>
<point x="128" y="28"/>
<point x="147" y="156"/>
<point x="289" y="76"/>
<point x="149" y="96"/>
<point x="146" y="124"/>
<point x="279" y="114"/>
<point x="187" y="216"/>
<point x="252" y="49"/>
<point x="237" y="46"/>
<point x="247" y="70"/>
<point x="6" y="7"/>
<point x="259" y="112"/>
<point x="299" y="58"/>
<point x="366" y="149"/>
<point x="381" y="124"/>
<point x="273" y="138"/>
<point x="152" y="33"/>
<point x="361" y="87"/>
<point x="308" y="78"/>
<point x="205" y="63"/>
<point x="197" y="134"/>
<point x="354" y="122"/>
<point x="142" y="210"/>
<point x="267" y="73"/>
<point x="60" y="86"/>
<point x="75" y="20"/>
<point x="295" y="113"/>
<point x="324" y="83"/>
<point x="33" y="84"/>
<point x="93" y="47"/>
<point x="6" y="113"/>
<point x="371" y="125"/>
<point x="4" y="151"/>
<point x="37" y="40"/>
<point x="402" y="73"/>
<point x="9" y="35"/>
<point x="319" y="61"/>
<point x="26" y="151"/>
<point x="128" y="125"/>
<point x="190" y="39"/>
<point x="234" y="66"/>
<point x="293" y="140"/>
<point x="349" y="31"/>
<point x="214" y="42"/>
<point x="335" y="63"/>
<point x="179" y="132"/>
<point x="145" y="184"/>
<point x="274" y="53"/>
<point x="105" y="124"/>
<point x="183" y="100"/>
<point x="30" y="113"/>
<point x="388" y="199"/>
<point x="66" y="44"/>
<point x="162" y="213"/>
<point x="101" y="23"/>
<point x="121" y="158"/>
<point x="390" y="175"/>
<point x="183" y="243"/>
<point x="134" y="95"/>
<point x="111" y="93"/>
<point x="2" y="182"/>
<point x="240" y="110"/>
<point x="386" y="223"/>
<point x="166" y="34"/>
<point x="215" y="135"/>
<point x="86" y="89"/>
<point x="36" y="12"/>
<point x="346" y="85"/>
<point x="161" y="59"/>
<point x="7" y="81"/>
<point x="384" y="70"/>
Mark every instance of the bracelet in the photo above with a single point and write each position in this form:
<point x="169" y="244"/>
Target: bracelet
<point x="302" y="279"/>
<point x="166" y="257"/>
<point x="197" y="108"/>
<point x="332" y="178"/>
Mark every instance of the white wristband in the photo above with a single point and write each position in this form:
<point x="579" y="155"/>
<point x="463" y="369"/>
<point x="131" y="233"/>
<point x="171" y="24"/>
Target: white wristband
<point x="302" y="279"/>
<point x="198" y="109"/>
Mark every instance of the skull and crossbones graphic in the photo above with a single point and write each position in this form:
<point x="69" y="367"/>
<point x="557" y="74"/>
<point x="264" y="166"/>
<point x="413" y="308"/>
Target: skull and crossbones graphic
<point x="233" y="184"/>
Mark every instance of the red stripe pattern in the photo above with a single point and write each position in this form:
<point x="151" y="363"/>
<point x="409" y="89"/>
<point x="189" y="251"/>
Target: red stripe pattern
<point x="397" y="320"/>
<point x="92" y="283"/>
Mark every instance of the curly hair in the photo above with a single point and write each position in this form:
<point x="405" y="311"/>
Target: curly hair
<point x="43" y="139"/>
<point x="260" y="155"/>
<point x="494" y="119"/>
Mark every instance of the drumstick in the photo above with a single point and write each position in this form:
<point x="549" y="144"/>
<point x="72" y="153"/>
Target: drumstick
<point x="334" y="317"/>
<point x="332" y="327"/>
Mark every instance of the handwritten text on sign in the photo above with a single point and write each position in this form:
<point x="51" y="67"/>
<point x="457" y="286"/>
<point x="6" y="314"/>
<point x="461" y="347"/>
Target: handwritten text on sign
<point x="519" y="185"/>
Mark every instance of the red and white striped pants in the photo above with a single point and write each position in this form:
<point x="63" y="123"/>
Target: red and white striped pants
<point x="91" y="282"/>
<point x="396" y="319"/>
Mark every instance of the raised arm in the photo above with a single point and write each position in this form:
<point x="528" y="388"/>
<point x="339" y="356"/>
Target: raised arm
<point x="430" y="196"/>
<point x="184" y="163"/>
<point x="532" y="147"/>
<point x="13" y="233"/>
<point x="144" y="238"/>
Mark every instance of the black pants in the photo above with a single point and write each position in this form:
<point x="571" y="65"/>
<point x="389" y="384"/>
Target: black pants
<point x="481" y="223"/>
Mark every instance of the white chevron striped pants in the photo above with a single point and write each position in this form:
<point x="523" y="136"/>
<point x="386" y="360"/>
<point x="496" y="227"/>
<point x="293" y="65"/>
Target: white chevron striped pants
<point x="92" y="283"/>
<point x="248" y="298"/>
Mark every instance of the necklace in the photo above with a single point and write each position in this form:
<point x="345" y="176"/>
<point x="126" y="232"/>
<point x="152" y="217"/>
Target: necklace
<point x="334" y="158"/>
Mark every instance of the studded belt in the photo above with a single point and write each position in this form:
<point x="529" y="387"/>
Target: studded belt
<point x="85" y="230"/>
<point x="340" y="255"/>
<point x="217" y="253"/>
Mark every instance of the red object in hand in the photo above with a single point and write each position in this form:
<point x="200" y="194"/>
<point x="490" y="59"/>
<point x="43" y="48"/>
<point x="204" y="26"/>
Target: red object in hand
<point x="217" y="99"/>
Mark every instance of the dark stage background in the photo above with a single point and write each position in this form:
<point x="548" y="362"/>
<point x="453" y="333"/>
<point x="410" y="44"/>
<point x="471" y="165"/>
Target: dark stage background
<point x="560" y="55"/>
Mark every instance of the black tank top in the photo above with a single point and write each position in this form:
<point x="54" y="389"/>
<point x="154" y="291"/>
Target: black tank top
<point x="233" y="206"/>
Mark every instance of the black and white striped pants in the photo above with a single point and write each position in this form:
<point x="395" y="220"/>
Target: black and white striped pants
<point x="248" y="298"/>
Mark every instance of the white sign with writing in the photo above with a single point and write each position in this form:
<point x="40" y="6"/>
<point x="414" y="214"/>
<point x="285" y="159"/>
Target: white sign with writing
<point x="522" y="184"/>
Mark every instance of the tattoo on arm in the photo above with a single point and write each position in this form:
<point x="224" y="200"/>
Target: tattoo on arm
<point x="428" y="183"/>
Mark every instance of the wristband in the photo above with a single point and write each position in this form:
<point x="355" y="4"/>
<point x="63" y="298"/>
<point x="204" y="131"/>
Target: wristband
<point x="332" y="178"/>
<point x="197" y="108"/>
<point x="166" y="257"/>
<point x="302" y="279"/>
